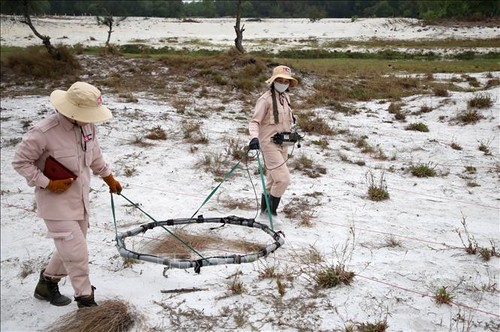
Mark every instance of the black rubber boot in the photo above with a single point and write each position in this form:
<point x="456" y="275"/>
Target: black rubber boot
<point x="275" y="202"/>
<point x="86" y="301"/>
<point x="263" y="205"/>
<point x="48" y="290"/>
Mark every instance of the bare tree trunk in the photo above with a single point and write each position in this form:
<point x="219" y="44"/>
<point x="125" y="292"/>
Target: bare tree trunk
<point x="110" y="31"/>
<point x="239" y="31"/>
<point x="45" y="39"/>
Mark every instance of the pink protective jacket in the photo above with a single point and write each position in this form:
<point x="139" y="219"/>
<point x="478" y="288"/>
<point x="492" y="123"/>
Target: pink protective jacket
<point x="59" y="137"/>
<point x="262" y="124"/>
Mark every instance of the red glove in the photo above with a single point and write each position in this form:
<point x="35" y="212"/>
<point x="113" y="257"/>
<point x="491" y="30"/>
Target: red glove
<point x="59" y="186"/>
<point x="114" y="186"/>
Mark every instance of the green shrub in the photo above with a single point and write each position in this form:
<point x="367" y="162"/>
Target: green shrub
<point x="418" y="127"/>
<point x="422" y="171"/>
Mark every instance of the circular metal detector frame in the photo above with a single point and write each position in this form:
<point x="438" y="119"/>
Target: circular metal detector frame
<point x="278" y="238"/>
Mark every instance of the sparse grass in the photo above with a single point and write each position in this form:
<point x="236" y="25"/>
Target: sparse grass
<point x="311" y="123"/>
<point x="156" y="133"/>
<point x="306" y="165"/>
<point x="456" y="146"/>
<point x="469" y="116"/>
<point x="426" y="109"/>
<point x="472" y="247"/>
<point x="392" y="242"/>
<point x="301" y="209"/>
<point x="442" y="296"/>
<point x="484" y="147"/>
<point x="482" y="100"/>
<point x="35" y="62"/>
<point x="332" y="276"/>
<point x="423" y="170"/>
<point x="418" y="126"/>
<point x="395" y="109"/>
<point x="193" y="133"/>
<point x="139" y="141"/>
<point x="380" y="326"/>
<point x="377" y="191"/>
<point x="236" y="286"/>
<point x="441" y="92"/>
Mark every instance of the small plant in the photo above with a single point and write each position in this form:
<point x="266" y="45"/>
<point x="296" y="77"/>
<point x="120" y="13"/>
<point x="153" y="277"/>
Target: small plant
<point x="392" y="242"/>
<point x="281" y="286"/>
<point x="377" y="192"/>
<point x="193" y="133"/>
<point x="395" y="109"/>
<point x="300" y="209"/>
<point x="368" y="327"/>
<point x="441" y="92"/>
<point x="469" y="116"/>
<point x="157" y="133"/>
<point x="419" y="126"/>
<point x="471" y="169"/>
<point x="425" y="109"/>
<point x="442" y="296"/>
<point x="423" y="171"/>
<point x="129" y="171"/>
<point x="236" y="286"/>
<point x="483" y="100"/>
<point x="332" y="276"/>
<point x="305" y="164"/>
<point x="139" y="141"/>
<point x="455" y="146"/>
<point x="483" y="147"/>
<point x="309" y="122"/>
<point x="471" y="247"/>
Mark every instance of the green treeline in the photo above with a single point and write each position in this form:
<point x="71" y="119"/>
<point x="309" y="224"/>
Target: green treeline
<point x="423" y="9"/>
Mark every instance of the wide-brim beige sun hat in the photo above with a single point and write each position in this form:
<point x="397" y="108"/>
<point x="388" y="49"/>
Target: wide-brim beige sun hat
<point x="283" y="72"/>
<point x="82" y="102"/>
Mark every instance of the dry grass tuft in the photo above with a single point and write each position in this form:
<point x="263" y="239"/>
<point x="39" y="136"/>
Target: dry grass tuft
<point x="109" y="316"/>
<point x="173" y="247"/>
<point x="301" y="209"/>
<point x="36" y="62"/>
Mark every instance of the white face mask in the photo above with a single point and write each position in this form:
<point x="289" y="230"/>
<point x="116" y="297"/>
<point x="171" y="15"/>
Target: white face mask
<point x="280" y="87"/>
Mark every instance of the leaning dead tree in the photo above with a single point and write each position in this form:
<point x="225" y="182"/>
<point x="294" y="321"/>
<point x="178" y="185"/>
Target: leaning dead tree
<point x="239" y="31"/>
<point x="26" y="8"/>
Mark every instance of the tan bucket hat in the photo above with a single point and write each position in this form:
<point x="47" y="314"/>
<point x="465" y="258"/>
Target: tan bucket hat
<point x="283" y="72"/>
<point x="82" y="102"/>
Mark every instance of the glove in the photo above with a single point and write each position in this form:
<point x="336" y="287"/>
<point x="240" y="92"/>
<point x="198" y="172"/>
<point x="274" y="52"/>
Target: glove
<point x="254" y="144"/>
<point x="114" y="186"/>
<point x="59" y="186"/>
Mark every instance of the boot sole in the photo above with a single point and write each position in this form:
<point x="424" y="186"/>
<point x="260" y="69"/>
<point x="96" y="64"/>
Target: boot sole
<point x="62" y="304"/>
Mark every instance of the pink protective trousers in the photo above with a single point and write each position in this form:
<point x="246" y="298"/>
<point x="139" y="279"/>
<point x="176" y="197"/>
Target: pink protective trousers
<point x="278" y="174"/>
<point x="71" y="256"/>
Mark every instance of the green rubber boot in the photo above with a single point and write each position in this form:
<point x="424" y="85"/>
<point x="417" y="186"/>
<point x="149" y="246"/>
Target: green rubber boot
<point x="48" y="290"/>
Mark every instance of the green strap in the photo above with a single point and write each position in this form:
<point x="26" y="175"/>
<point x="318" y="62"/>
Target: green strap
<point x="137" y="206"/>
<point x="216" y="188"/>
<point x="266" y="195"/>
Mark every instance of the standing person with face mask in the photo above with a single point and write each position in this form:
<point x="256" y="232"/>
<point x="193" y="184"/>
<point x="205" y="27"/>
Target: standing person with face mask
<point x="69" y="136"/>
<point x="273" y="115"/>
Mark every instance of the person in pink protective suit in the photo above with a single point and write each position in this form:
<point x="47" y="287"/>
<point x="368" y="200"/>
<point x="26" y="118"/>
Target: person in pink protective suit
<point x="273" y="115"/>
<point x="68" y="135"/>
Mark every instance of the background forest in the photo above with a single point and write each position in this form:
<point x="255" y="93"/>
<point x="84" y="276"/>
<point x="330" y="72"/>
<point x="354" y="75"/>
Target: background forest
<point x="423" y="9"/>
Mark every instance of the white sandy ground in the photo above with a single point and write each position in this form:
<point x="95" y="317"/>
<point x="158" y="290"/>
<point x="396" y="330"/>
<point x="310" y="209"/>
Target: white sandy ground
<point x="268" y="34"/>
<point x="393" y="283"/>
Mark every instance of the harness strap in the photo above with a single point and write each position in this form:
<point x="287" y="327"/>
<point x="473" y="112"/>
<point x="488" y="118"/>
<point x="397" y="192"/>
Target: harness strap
<point x="275" y="106"/>
<point x="216" y="188"/>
